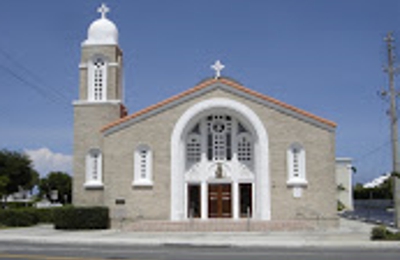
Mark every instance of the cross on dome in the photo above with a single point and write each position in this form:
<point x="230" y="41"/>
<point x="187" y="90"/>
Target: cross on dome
<point x="218" y="67"/>
<point x="103" y="10"/>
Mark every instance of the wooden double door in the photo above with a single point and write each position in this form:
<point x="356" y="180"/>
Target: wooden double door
<point x="219" y="201"/>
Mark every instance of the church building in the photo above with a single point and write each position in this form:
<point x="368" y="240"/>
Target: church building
<point x="218" y="151"/>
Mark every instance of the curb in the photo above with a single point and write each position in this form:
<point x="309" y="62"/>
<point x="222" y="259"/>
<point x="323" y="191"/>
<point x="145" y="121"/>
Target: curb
<point x="182" y="243"/>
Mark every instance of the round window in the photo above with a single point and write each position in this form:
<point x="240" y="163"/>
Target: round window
<point x="218" y="127"/>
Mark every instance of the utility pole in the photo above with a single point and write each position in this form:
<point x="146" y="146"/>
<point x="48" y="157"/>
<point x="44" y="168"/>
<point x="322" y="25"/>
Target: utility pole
<point x="391" y="70"/>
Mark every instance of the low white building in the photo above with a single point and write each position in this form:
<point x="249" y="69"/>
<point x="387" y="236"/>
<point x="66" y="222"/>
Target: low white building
<point x="344" y="180"/>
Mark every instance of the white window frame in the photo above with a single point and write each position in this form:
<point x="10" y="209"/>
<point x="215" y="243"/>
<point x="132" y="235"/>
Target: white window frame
<point x="300" y="179"/>
<point x="249" y="140"/>
<point x="91" y="180"/>
<point x="199" y="141"/>
<point x="138" y="179"/>
<point x="91" y="80"/>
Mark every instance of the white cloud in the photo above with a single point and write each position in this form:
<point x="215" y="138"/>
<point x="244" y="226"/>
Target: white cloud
<point x="45" y="161"/>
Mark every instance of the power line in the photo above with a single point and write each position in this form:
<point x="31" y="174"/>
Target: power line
<point x="37" y="88"/>
<point x="29" y="79"/>
<point x="371" y="152"/>
<point x="42" y="89"/>
<point x="29" y="72"/>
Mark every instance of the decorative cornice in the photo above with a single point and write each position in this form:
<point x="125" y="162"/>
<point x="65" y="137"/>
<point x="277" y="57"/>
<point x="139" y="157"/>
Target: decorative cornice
<point x="113" y="64"/>
<point x="83" y="66"/>
<point x="95" y="103"/>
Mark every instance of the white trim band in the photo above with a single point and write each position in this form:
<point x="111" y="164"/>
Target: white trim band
<point x="90" y="103"/>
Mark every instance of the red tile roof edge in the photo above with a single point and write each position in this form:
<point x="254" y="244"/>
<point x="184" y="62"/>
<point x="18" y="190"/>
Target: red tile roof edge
<point x="207" y="83"/>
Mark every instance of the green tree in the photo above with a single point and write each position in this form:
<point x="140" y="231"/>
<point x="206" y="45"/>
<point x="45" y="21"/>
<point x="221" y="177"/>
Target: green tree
<point x="34" y="181"/>
<point x="3" y="185"/>
<point x="383" y="191"/>
<point x="58" y="182"/>
<point x="16" y="172"/>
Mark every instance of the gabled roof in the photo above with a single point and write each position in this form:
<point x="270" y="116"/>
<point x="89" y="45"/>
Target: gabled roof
<point x="226" y="84"/>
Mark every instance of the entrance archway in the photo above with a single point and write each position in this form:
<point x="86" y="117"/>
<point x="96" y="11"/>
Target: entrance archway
<point x="180" y="184"/>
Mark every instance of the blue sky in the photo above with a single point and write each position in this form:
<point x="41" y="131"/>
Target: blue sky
<point x="325" y="57"/>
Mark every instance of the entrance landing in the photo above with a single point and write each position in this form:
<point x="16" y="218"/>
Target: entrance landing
<point x="216" y="225"/>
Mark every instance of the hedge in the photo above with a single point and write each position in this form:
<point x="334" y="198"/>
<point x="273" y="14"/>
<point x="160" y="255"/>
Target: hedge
<point x="74" y="218"/>
<point x="46" y="215"/>
<point x="63" y="218"/>
<point x="19" y="217"/>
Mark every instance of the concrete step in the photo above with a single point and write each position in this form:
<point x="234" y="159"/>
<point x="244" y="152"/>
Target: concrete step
<point x="216" y="226"/>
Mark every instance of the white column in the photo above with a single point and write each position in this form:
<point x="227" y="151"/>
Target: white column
<point x="177" y="181"/>
<point x="204" y="200"/>
<point x="234" y="140"/>
<point x="235" y="201"/>
<point x="203" y="141"/>
<point x="185" y="213"/>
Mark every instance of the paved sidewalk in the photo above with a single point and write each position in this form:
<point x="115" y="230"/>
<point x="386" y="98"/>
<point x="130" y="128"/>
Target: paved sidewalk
<point x="350" y="234"/>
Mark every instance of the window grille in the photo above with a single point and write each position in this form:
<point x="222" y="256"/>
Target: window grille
<point x="193" y="149"/>
<point x="97" y="80"/>
<point x="93" y="168"/>
<point x="143" y="166"/>
<point x="219" y="129"/>
<point x="296" y="158"/>
<point x="222" y="137"/>
<point x="245" y="149"/>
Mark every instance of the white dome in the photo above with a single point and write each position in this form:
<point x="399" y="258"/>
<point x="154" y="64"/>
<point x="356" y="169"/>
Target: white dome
<point x="102" y="32"/>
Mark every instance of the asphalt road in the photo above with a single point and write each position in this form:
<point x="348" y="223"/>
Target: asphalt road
<point x="12" y="251"/>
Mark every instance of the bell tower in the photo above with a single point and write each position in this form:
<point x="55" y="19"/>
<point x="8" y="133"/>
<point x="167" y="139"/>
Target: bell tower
<point x="100" y="102"/>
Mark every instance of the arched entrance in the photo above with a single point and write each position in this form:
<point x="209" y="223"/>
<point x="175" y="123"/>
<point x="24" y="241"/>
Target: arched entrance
<point x="219" y="163"/>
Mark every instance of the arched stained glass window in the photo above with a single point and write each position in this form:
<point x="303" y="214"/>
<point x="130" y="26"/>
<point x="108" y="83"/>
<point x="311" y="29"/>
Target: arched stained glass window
<point x="98" y="80"/>
<point x="143" y="166"/>
<point x="245" y="148"/>
<point x="94" y="168"/>
<point x="296" y="157"/>
<point x="219" y="137"/>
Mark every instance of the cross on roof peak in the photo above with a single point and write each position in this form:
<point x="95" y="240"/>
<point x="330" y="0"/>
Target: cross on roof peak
<point x="218" y="67"/>
<point x="103" y="10"/>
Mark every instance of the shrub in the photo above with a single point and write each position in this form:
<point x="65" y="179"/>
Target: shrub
<point x="18" y="217"/>
<point x="340" y="206"/>
<point x="73" y="218"/>
<point x="395" y="236"/>
<point x="382" y="233"/>
<point x="379" y="233"/>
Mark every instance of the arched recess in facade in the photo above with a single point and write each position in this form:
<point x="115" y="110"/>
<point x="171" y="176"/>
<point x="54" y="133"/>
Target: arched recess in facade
<point x="262" y="194"/>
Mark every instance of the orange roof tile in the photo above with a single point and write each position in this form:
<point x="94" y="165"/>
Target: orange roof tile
<point x="224" y="81"/>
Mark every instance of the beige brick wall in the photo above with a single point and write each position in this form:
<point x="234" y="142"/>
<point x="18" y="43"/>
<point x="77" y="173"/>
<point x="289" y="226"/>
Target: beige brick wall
<point x="88" y="119"/>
